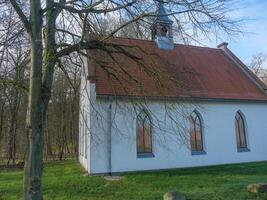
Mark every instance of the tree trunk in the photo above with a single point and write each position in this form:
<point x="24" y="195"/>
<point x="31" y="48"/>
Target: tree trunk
<point x="14" y="145"/>
<point x="1" y="120"/>
<point x="49" y="151"/>
<point x="34" y="125"/>
<point x="10" y="142"/>
<point x="50" y="51"/>
<point x="14" y="108"/>
<point x="39" y="95"/>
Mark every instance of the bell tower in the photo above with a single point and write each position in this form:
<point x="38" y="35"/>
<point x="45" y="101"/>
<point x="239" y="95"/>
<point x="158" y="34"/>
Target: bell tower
<point x="161" y="28"/>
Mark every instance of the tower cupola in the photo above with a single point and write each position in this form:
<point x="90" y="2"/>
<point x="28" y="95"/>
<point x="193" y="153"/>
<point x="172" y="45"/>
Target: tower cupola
<point x="162" y="29"/>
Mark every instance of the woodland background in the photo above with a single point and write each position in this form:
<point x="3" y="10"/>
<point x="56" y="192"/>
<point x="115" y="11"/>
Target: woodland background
<point x="61" y="132"/>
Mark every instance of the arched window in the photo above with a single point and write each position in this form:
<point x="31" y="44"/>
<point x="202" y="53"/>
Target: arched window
<point x="240" y="131"/>
<point x="196" y="135"/>
<point x="164" y="31"/>
<point x="144" y="133"/>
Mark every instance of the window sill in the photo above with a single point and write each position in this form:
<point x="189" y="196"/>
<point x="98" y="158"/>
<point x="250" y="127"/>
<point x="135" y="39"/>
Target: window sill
<point x="198" y="153"/>
<point x="243" y="150"/>
<point x="145" y="155"/>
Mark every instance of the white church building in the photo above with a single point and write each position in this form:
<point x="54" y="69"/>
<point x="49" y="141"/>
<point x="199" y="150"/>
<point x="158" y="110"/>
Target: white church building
<point x="153" y="104"/>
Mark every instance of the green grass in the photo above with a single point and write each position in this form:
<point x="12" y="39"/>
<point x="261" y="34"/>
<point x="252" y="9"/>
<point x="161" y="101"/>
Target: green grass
<point x="65" y="181"/>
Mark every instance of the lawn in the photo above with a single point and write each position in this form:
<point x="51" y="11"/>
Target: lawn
<point x="65" y="181"/>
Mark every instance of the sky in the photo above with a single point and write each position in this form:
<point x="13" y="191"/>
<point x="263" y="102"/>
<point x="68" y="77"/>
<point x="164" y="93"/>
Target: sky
<point x="254" y="40"/>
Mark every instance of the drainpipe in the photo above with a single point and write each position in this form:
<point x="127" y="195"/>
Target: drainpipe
<point x="109" y="136"/>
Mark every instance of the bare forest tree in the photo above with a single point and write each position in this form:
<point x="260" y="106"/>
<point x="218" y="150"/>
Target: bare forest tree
<point x="258" y="65"/>
<point x="13" y="61"/>
<point x="57" y="29"/>
<point x="65" y="95"/>
<point x="61" y="131"/>
<point x="14" y="78"/>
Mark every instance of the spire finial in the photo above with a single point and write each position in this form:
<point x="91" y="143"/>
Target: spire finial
<point x="162" y="15"/>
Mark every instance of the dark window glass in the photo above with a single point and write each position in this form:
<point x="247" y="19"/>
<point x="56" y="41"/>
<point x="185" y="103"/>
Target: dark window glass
<point x="144" y="133"/>
<point x="240" y="131"/>
<point x="196" y="138"/>
<point x="164" y="31"/>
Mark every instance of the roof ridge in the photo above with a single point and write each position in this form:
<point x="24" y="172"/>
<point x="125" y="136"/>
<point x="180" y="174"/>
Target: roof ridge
<point x="194" y="46"/>
<point x="175" y="44"/>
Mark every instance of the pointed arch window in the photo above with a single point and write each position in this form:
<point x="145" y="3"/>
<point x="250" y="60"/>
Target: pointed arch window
<point x="240" y="128"/>
<point x="196" y="133"/>
<point x="144" y="134"/>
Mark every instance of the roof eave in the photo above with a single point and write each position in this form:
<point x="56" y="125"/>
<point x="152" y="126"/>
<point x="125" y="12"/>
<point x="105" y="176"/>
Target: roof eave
<point x="181" y="98"/>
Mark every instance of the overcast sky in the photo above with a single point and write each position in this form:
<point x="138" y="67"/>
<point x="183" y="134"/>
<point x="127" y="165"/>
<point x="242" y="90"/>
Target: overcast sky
<point x="249" y="44"/>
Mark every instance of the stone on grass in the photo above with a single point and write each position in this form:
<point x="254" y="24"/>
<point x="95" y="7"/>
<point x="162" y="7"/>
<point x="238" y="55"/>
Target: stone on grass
<point x="113" y="178"/>
<point x="173" y="196"/>
<point x="258" y="187"/>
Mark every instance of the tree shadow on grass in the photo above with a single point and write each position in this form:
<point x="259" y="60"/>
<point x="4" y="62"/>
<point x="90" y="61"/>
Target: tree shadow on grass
<point x="256" y="168"/>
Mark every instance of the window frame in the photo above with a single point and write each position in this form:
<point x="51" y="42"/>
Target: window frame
<point x="193" y="124"/>
<point x="239" y="146"/>
<point x="141" y="119"/>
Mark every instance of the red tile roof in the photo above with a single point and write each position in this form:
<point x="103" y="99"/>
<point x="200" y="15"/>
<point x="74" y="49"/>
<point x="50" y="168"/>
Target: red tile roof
<point x="186" y="71"/>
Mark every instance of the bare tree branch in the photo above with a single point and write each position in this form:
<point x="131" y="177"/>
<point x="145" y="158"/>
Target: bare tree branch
<point x="23" y="18"/>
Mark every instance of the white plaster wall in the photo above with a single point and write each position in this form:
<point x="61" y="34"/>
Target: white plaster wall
<point x="169" y="151"/>
<point x="83" y="107"/>
<point x="87" y="99"/>
<point x="99" y="138"/>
